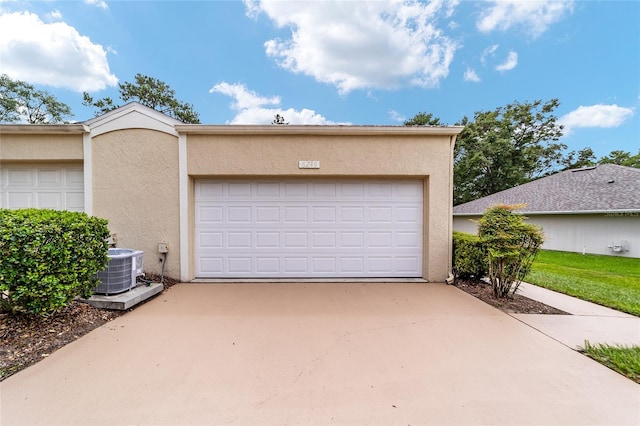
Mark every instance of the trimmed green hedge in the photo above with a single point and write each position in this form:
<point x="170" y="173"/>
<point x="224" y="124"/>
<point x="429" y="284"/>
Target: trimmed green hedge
<point x="48" y="257"/>
<point x="469" y="256"/>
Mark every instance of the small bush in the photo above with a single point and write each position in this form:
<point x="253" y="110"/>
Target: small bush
<point x="48" y="257"/>
<point x="469" y="256"/>
<point x="512" y="246"/>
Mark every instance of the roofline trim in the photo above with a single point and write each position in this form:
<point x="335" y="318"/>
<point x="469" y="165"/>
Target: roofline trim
<point x="43" y="129"/>
<point x="227" y="129"/>
<point x="564" y="212"/>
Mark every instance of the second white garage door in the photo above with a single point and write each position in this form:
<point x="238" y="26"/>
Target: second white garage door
<point x="320" y="229"/>
<point x="42" y="186"/>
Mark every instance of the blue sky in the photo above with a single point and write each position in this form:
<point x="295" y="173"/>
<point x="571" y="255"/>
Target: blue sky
<point x="353" y="62"/>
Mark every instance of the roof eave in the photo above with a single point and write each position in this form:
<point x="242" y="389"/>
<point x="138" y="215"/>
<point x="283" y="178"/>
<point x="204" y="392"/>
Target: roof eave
<point x="317" y="130"/>
<point x="562" y="212"/>
<point x="43" y="129"/>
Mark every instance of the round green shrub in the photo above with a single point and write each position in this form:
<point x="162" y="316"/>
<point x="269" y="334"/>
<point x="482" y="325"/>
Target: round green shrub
<point x="512" y="246"/>
<point x="48" y="258"/>
<point x="469" y="256"/>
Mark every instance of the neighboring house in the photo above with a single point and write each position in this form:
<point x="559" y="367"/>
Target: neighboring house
<point x="246" y="201"/>
<point x="589" y="210"/>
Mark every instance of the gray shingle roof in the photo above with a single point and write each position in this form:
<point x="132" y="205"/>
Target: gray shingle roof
<point x="604" y="188"/>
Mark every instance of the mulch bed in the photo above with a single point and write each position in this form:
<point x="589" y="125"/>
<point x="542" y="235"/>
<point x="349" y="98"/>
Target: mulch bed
<point x="517" y="304"/>
<point x="26" y="339"/>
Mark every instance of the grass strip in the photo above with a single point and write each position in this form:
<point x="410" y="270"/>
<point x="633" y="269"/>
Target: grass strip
<point x="623" y="359"/>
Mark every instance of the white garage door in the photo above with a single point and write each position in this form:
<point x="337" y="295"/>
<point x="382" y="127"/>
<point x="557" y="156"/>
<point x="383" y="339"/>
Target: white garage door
<point x="59" y="187"/>
<point x="308" y="229"/>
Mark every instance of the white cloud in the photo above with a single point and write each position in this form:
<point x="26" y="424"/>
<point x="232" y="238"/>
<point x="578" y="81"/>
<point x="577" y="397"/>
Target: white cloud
<point x="600" y="115"/>
<point x="510" y="63"/>
<point x="534" y="16"/>
<point x="51" y="54"/>
<point x="471" y="75"/>
<point x="363" y="44"/>
<point x="396" y="116"/>
<point x="253" y="108"/>
<point x="99" y="3"/>
<point x="244" y="98"/>
<point x="54" y="15"/>
<point x="488" y="52"/>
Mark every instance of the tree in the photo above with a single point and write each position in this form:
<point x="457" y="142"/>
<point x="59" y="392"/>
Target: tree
<point x="621" y="158"/>
<point x="21" y="102"/>
<point x="423" y="119"/>
<point x="506" y="147"/>
<point x="586" y="158"/>
<point x="150" y="92"/>
<point x="279" y="120"/>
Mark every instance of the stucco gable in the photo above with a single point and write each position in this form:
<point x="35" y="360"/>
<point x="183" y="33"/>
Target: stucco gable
<point x="132" y="116"/>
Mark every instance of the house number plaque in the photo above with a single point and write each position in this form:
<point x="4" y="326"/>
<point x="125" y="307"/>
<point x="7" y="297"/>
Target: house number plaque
<point x="308" y="164"/>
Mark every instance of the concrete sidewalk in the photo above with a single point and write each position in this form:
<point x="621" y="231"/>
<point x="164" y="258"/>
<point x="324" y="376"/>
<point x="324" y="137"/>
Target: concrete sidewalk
<point x="588" y="321"/>
<point x="317" y="354"/>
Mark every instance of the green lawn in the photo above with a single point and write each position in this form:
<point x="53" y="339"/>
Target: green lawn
<point x="623" y="359"/>
<point x="607" y="280"/>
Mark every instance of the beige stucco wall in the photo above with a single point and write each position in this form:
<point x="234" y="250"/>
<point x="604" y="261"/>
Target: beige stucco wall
<point x="427" y="157"/>
<point x="133" y="175"/>
<point x="41" y="147"/>
<point x="135" y="187"/>
<point x="589" y="233"/>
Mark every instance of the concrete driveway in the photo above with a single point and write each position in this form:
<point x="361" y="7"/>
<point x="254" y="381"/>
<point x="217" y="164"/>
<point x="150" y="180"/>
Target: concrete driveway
<point x="317" y="354"/>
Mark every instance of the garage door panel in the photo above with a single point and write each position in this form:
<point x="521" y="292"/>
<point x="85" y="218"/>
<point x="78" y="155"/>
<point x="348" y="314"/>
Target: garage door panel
<point x="49" y="200"/>
<point x="407" y="264"/>
<point x="19" y="177"/>
<point x="411" y="214"/>
<point x="267" y="240"/>
<point x="59" y="187"/>
<point x="268" y="190"/>
<point x="74" y="177"/>
<point x="323" y="214"/>
<point x="324" y="265"/>
<point x="323" y="189"/>
<point x="352" y="190"/>
<point x="239" y="265"/>
<point x="211" y="265"/>
<point x="49" y="178"/>
<point x="380" y="264"/>
<point x="239" y="190"/>
<point x="296" y="265"/>
<point x="239" y="214"/>
<point x="75" y="201"/>
<point x="381" y="190"/>
<point x="268" y="266"/>
<point x="210" y="239"/>
<point x="209" y="191"/>
<point x="210" y="214"/>
<point x="295" y="214"/>
<point x="308" y="228"/>
<point x="20" y="200"/>
<point x="352" y="265"/>
<point x="239" y="240"/>
<point x="267" y="214"/>
<point x="408" y="240"/>
<point x="323" y="240"/>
